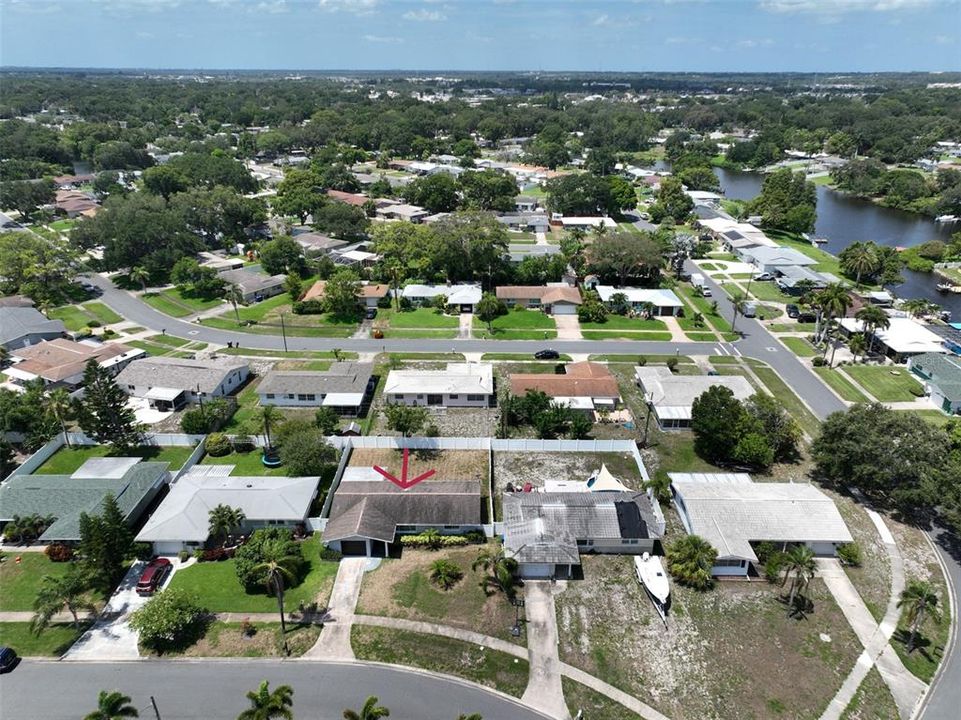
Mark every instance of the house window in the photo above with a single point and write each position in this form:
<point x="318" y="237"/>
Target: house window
<point x="629" y="541"/>
<point x="290" y="396"/>
<point x="534" y="302"/>
<point x="454" y="397"/>
<point x="131" y="387"/>
<point x="270" y="396"/>
<point x="475" y="398"/>
<point x="728" y="562"/>
<point x="305" y="397"/>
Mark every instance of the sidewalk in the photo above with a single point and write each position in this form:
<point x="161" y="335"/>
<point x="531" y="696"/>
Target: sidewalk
<point x="544" y="690"/>
<point x="334" y="640"/>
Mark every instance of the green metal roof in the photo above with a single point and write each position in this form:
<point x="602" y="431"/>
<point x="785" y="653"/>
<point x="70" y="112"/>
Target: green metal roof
<point x="944" y="372"/>
<point x="66" y="498"/>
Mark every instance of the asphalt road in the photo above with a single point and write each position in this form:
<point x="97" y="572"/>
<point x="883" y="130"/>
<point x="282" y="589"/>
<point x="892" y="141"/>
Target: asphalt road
<point x="217" y="690"/>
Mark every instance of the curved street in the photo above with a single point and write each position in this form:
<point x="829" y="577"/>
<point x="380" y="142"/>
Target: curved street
<point x="213" y="690"/>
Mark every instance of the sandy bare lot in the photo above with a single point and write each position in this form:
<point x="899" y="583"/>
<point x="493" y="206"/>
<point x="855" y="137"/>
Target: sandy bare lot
<point x="449" y="464"/>
<point x="519" y="468"/>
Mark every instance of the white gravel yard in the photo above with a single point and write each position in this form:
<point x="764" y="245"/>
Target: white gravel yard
<point x="519" y="468"/>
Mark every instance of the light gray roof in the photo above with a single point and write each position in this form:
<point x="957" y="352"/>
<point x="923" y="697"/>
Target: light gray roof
<point x="66" y="498"/>
<point x="779" y="256"/>
<point x="943" y="371"/>
<point x="732" y="515"/>
<point x="457" y="379"/>
<point x="674" y="395"/>
<point x="544" y="527"/>
<point x="455" y="294"/>
<point x="18" y="322"/>
<point x="184" y="515"/>
<point x="374" y="509"/>
<point x="249" y="281"/>
<point x="179" y="373"/>
<point x="339" y="378"/>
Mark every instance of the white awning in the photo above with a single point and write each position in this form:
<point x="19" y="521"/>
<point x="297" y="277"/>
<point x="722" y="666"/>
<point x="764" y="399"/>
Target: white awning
<point x="19" y="374"/>
<point x="163" y="393"/>
<point x="343" y="399"/>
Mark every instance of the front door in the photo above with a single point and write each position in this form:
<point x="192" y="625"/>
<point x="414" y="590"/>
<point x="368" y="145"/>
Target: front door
<point x="435" y="399"/>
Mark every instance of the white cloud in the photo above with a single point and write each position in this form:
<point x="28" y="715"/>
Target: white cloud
<point x="273" y="7"/>
<point x="943" y="39"/>
<point x="601" y="20"/>
<point x="382" y="39"/>
<point x="752" y="43"/>
<point x="33" y="8"/>
<point x="357" y="7"/>
<point x="835" y="7"/>
<point x="424" y="15"/>
<point x="680" y="40"/>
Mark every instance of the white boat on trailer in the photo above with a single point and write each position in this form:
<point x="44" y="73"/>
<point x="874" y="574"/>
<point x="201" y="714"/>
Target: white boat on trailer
<point x="650" y="573"/>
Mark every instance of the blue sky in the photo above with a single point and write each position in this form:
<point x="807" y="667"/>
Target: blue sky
<point x="593" y="35"/>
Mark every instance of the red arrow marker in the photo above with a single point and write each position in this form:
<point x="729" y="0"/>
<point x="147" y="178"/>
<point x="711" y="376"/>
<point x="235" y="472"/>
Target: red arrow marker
<point x="403" y="483"/>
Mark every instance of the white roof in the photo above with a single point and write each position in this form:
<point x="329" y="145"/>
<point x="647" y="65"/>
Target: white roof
<point x="575" y="403"/>
<point x="184" y="515"/>
<point x="732" y="515"/>
<point x="343" y="399"/>
<point x="673" y="395"/>
<point x="105" y="468"/>
<point x="778" y="256"/>
<point x="457" y="379"/>
<point x="164" y="393"/>
<point x="580" y="221"/>
<point x="710" y="477"/>
<point x="904" y="335"/>
<point x="456" y="294"/>
<point x="658" y="297"/>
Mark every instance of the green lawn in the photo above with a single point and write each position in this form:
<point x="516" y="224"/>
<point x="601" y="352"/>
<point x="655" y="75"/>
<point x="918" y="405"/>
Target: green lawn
<point x="154" y="349"/>
<point x="704" y="306"/>
<point x="619" y="322"/>
<point x="442" y="654"/>
<point x="792" y="327"/>
<point x="625" y="335"/>
<point x="228" y="322"/>
<point x="701" y="337"/>
<point x="67" y="460"/>
<point x="104" y="314"/>
<point x="518" y="325"/>
<point x="247" y="464"/>
<point x="52" y="642"/>
<point x="883" y="384"/>
<point x="73" y="317"/>
<point x="19" y="583"/>
<point x="418" y="318"/>
<point x="595" y="706"/>
<point x="216" y="586"/>
<point x="841" y="384"/>
<point x="799" y="346"/>
<point x="173" y="302"/>
<point x="62" y="225"/>
<point x="935" y="417"/>
<point x="168" y="340"/>
<point x="808" y="422"/>
<point x="767" y="292"/>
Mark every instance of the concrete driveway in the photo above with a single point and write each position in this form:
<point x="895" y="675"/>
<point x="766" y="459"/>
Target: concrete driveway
<point x="111" y="637"/>
<point x="568" y="327"/>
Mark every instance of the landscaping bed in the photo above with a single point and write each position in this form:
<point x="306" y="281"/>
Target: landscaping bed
<point x="66" y="460"/>
<point x="484" y="666"/>
<point x="402" y="588"/>
<point x="728" y="653"/>
<point x="230" y="640"/>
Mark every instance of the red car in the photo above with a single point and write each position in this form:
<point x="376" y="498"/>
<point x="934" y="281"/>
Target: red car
<point x="153" y="576"/>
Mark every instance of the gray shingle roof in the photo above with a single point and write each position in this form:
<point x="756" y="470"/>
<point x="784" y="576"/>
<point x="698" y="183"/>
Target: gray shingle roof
<point x="17" y="322"/>
<point x="66" y="498"/>
<point x="943" y="370"/>
<point x="178" y="373"/>
<point x="249" y="281"/>
<point x="339" y="378"/>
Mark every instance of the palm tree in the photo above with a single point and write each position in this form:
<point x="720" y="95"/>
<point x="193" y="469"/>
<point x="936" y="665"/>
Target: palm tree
<point x="279" y="563"/>
<point x="920" y="600"/>
<point x="861" y="258"/>
<point x="139" y="274"/>
<point x="501" y="570"/>
<point x="647" y="309"/>
<point x="370" y="711"/>
<point x="267" y="416"/>
<point x="431" y="537"/>
<point x="858" y="345"/>
<point x="873" y="319"/>
<point x="235" y="296"/>
<point x="60" y="407"/>
<point x="799" y="566"/>
<point x="739" y="303"/>
<point x="112" y="705"/>
<point x="67" y="592"/>
<point x="223" y="519"/>
<point x="268" y="705"/>
<point x="445" y="573"/>
<point x="834" y="302"/>
<point x="698" y="319"/>
<point x="916" y="306"/>
<point x="690" y="559"/>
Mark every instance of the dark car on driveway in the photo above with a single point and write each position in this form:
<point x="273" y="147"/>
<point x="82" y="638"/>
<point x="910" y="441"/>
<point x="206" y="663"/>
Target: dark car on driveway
<point x="153" y="576"/>
<point x="793" y="310"/>
<point x="8" y="659"/>
<point x="546" y="355"/>
<point x="370" y="313"/>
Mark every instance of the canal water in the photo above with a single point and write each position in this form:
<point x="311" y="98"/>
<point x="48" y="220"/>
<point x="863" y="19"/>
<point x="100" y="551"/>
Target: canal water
<point x="842" y="220"/>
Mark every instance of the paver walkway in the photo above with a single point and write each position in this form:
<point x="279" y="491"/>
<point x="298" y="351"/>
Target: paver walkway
<point x="544" y="691"/>
<point x="906" y="689"/>
<point x="334" y="640"/>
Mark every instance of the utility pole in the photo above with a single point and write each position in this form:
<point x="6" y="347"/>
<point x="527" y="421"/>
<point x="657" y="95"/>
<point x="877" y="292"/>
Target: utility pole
<point x="155" y="710"/>
<point x="283" y="330"/>
<point x="647" y="423"/>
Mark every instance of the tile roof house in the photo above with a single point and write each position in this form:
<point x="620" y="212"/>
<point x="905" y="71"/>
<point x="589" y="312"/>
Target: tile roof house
<point x="672" y="396"/>
<point x="255" y="286"/>
<point x="169" y="383"/>
<point x="368" y="295"/>
<point x="458" y="385"/>
<point x="583" y="386"/>
<point x="132" y="482"/>
<point x="410" y="213"/>
<point x="941" y="376"/>
<point x="731" y="512"/>
<point x="345" y="386"/>
<point x="22" y="326"/>
<point x="61" y="363"/>
<point x="545" y="532"/>
<point x="554" y="299"/>
<point x="182" y="520"/>
<point x="366" y="515"/>
<point x="355" y="199"/>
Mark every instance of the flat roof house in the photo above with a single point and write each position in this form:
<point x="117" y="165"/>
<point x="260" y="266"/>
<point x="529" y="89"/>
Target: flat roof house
<point x="132" y="482"/>
<point x="169" y="383"/>
<point x="459" y="385"/>
<point x="554" y="299"/>
<point x="255" y="286"/>
<point x="584" y="386"/>
<point x="665" y="302"/>
<point x="22" y="326"/>
<point x="771" y="259"/>
<point x="903" y="338"/>
<point x="61" y="363"/>
<point x="941" y="375"/>
<point x="367" y="514"/>
<point x="466" y="296"/>
<point x="731" y="512"/>
<point x="182" y="520"/>
<point x="672" y="396"/>
<point x="545" y="532"/>
<point x="345" y="386"/>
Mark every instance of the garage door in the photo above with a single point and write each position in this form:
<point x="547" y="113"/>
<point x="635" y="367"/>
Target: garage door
<point x="537" y="570"/>
<point x="563" y="309"/>
<point x="353" y="547"/>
